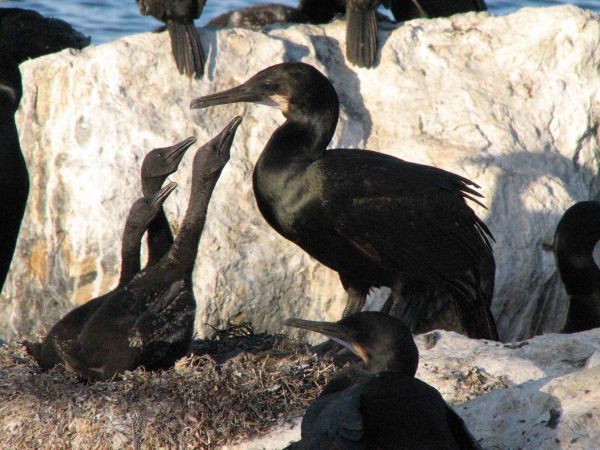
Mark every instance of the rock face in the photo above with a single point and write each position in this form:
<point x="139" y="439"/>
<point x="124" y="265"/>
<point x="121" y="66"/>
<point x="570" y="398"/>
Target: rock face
<point x="509" y="102"/>
<point x="543" y="393"/>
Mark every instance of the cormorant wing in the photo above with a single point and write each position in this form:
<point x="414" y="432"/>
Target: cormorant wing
<point x="405" y="216"/>
<point x="335" y="422"/>
<point x="461" y="433"/>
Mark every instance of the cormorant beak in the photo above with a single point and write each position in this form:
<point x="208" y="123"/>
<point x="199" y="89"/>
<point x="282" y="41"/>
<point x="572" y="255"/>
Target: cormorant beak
<point x="160" y="197"/>
<point x="228" y="133"/>
<point x="242" y="93"/>
<point x="176" y="152"/>
<point x="341" y="334"/>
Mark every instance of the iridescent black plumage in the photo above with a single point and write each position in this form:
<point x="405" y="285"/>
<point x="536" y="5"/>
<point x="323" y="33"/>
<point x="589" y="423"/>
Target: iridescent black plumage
<point x="375" y="219"/>
<point x="378" y="403"/>
<point x="576" y="235"/>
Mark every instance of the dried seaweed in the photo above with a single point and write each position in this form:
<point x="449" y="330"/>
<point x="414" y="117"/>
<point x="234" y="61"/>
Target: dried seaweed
<point x="264" y="381"/>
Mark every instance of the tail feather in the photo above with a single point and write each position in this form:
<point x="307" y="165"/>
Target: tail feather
<point x="361" y="36"/>
<point x="187" y="48"/>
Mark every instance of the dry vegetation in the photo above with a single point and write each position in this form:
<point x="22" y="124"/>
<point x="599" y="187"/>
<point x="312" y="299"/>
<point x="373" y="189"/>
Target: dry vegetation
<point x="237" y="385"/>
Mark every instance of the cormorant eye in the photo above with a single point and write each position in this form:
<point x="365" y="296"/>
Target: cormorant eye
<point x="268" y="86"/>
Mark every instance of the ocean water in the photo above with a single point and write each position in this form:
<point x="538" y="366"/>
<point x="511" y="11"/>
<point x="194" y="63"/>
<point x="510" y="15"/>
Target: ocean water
<point x="111" y="19"/>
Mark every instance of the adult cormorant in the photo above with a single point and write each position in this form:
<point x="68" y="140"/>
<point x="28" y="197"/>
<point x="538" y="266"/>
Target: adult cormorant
<point x="179" y="15"/>
<point x="576" y="235"/>
<point x="141" y="213"/>
<point x="145" y="214"/>
<point x="14" y="180"/>
<point x="150" y="321"/>
<point x="378" y="403"/>
<point x="375" y="219"/>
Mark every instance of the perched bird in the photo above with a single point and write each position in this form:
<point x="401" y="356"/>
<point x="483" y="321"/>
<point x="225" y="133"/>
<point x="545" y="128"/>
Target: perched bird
<point x="378" y="403"/>
<point x="576" y="235"/>
<point x="146" y="213"/>
<point x="14" y="179"/>
<point x="308" y="11"/>
<point x="24" y="34"/>
<point x="179" y="15"/>
<point x="375" y="219"/>
<point x="150" y="321"/>
<point x="27" y="34"/>
<point x="412" y="9"/>
<point x="141" y="213"/>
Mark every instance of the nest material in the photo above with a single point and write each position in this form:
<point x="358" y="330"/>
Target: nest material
<point x="200" y="403"/>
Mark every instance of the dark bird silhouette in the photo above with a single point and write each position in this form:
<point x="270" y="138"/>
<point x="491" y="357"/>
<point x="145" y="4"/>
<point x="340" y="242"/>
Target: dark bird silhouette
<point x="308" y="11"/>
<point x="27" y="34"/>
<point x="141" y="213"/>
<point x="412" y="9"/>
<point x="146" y="213"/>
<point x="156" y="167"/>
<point x="23" y="34"/>
<point x="179" y="15"/>
<point x="375" y="219"/>
<point x="576" y="235"/>
<point x="14" y="179"/>
<point x="378" y="403"/>
<point x="150" y="321"/>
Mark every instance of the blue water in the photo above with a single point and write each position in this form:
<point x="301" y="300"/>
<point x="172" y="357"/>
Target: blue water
<point x="110" y="19"/>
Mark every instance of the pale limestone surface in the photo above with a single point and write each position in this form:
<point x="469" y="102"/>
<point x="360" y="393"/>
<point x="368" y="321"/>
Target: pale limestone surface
<point x="514" y="390"/>
<point x="509" y="102"/>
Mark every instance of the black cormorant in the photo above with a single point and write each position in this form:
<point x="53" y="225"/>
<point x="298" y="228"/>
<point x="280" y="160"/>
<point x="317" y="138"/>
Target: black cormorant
<point x="179" y="15"/>
<point x="576" y="235"/>
<point x="158" y="164"/>
<point x="375" y="219"/>
<point x="14" y="180"/>
<point x="378" y="403"/>
<point x="150" y="321"/>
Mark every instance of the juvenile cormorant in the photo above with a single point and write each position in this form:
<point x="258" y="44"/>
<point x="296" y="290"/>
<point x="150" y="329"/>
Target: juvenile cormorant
<point x="145" y="214"/>
<point x="158" y="164"/>
<point x="14" y="180"/>
<point x="378" y="403"/>
<point x="179" y="17"/>
<point x="576" y="235"/>
<point x="150" y="321"/>
<point x="373" y="218"/>
<point x="47" y="353"/>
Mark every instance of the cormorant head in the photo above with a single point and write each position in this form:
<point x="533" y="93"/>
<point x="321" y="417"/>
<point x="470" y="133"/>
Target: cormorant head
<point x="162" y="162"/>
<point x="381" y="341"/>
<point x="143" y="211"/>
<point x="297" y="89"/>
<point x="212" y="156"/>
<point x="576" y="235"/>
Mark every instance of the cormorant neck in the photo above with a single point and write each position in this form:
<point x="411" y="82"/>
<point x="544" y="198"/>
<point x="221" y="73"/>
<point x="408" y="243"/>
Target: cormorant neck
<point x="160" y="237"/>
<point x="185" y="248"/>
<point x="130" y="257"/>
<point x="404" y="365"/>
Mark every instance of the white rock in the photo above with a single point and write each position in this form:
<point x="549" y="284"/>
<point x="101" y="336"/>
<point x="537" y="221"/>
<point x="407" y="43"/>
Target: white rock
<point x="510" y="102"/>
<point x="543" y="395"/>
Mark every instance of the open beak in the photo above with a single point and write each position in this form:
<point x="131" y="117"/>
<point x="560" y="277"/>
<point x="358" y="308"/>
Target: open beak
<point x="238" y="94"/>
<point x="176" y="152"/>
